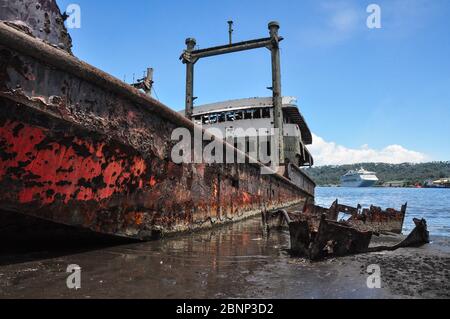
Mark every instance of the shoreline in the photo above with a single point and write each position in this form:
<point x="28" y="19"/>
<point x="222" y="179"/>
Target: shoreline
<point x="235" y="261"/>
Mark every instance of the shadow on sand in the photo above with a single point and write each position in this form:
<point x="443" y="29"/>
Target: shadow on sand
<point x="24" y="239"/>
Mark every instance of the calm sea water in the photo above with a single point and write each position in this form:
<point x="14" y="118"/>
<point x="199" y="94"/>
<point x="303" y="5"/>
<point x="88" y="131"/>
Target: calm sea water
<point x="431" y="204"/>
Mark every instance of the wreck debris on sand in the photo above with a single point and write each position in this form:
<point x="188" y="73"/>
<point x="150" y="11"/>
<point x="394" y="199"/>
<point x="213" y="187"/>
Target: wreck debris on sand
<point x="316" y="232"/>
<point x="372" y="219"/>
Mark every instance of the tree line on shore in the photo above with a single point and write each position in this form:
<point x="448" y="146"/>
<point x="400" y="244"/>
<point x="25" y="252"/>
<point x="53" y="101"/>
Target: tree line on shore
<point x="412" y="174"/>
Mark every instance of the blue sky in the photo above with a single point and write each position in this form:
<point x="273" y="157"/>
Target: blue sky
<point x="367" y="94"/>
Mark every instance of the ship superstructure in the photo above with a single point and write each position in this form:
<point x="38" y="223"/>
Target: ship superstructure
<point x="255" y="116"/>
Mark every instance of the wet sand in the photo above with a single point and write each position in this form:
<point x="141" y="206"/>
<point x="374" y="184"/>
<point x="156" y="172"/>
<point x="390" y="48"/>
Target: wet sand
<point x="414" y="272"/>
<point x="234" y="261"/>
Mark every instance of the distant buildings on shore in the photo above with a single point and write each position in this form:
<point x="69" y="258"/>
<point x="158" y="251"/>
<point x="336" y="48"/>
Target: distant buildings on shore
<point x="440" y="183"/>
<point x="396" y="184"/>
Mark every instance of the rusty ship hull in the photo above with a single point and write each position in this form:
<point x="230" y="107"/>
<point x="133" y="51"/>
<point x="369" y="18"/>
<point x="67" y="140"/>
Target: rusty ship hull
<point x="80" y="148"/>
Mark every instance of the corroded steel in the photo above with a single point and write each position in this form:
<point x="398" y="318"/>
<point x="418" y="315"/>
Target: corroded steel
<point x="377" y="220"/>
<point x="81" y="148"/>
<point x="418" y="237"/>
<point x="191" y="56"/>
<point x="372" y="219"/>
<point x="40" y="18"/>
<point x="330" y="238"/>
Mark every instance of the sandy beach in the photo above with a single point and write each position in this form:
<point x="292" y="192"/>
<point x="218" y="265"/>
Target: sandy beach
<point x="235" y="261"/>
<point x="414" y="272"/>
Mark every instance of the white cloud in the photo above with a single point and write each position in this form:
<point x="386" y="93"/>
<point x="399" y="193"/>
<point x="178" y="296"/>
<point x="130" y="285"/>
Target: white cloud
<point x="404" y="17"/>
<point x="330" y="153"/>
<point x="344" y="20"/>
<point x="337" y="22"/>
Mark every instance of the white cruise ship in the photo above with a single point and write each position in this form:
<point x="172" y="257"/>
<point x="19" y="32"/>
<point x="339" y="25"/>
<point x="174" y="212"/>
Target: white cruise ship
<point x="360" y="178"/>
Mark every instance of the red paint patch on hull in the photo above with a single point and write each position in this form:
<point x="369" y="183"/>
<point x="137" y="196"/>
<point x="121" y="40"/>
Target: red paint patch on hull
<point x="66" y="168"/>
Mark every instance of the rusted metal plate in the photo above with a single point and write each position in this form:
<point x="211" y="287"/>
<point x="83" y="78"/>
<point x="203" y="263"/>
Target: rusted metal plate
<point x="331" y="238"/>
<point x="418" y="237"/>
<point x="372" y="219"/>
<point x="377" y="220"/>
<point x="318" y="237"/>
<point x="336" y="239"/>
<point x="81" y="148"/>
<point x="40" y="18"/>
<point x="298" y="177"/>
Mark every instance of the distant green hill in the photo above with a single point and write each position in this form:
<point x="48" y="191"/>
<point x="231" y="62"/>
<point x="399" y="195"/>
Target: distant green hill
<point x="412" y="173"/>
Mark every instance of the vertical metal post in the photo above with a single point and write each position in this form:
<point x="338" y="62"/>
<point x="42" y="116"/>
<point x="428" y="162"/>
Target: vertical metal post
<point x="190" y="44"/>
<point x="230" y="31"/>
<point x="276" y="85"/>
<point x="149" y="79"/>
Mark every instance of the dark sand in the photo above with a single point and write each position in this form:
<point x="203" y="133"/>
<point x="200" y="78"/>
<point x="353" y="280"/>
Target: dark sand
<point x="414" y="272"/>
<point x="234" y="261"/>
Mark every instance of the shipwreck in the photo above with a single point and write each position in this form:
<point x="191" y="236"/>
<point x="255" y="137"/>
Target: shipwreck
<point x="81" y="148"/>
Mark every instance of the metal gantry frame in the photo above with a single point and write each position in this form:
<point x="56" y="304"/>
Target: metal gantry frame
<point x="191" y="56"/>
